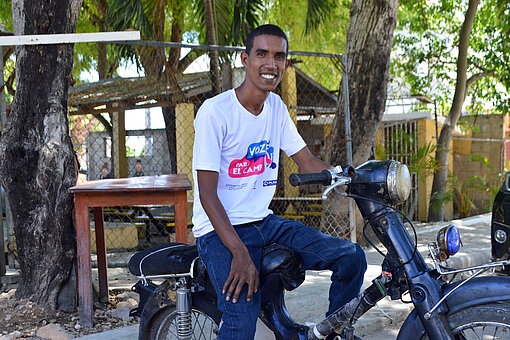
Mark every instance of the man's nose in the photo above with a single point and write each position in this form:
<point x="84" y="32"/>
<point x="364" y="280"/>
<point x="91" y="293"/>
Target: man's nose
<point x="271" y="62"/>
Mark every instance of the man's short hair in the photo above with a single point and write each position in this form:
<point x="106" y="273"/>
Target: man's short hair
<point x="267" y="29"/>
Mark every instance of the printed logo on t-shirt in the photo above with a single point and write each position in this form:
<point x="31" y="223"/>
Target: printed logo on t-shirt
<point x="269" y="183"/>
<point x="258" y="157"/>
<point x="236" y="186"/>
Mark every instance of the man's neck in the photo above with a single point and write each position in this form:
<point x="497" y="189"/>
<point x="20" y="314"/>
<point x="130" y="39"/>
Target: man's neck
<point x="251" y="100"/>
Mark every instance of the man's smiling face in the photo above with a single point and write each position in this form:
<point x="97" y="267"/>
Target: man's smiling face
<point x="266" y="63"/>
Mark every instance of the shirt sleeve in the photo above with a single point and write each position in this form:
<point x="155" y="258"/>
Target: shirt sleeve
<point x="290" y="141"/>
<point x="209" y="132"/>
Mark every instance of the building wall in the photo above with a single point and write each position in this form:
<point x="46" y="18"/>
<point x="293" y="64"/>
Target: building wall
<point x="488" y="142"/>
<point x="155" y="162"/>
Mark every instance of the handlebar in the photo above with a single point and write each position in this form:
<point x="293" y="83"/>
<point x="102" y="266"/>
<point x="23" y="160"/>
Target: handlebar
<point x="323" y="178"/>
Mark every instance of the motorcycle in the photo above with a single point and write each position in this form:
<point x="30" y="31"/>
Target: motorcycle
<point x="184" y="306"/>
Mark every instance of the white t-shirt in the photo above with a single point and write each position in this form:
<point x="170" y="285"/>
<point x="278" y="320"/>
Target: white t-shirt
<point x="244" y="149"/>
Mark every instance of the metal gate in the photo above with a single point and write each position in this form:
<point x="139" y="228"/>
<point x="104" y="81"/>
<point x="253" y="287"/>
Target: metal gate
<point x="400" y="143"/>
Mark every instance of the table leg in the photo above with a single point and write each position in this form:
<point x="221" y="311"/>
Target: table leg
<point x="181" y="218"/>
<point x="101" y="254"/>
<point x="85" y="300"/>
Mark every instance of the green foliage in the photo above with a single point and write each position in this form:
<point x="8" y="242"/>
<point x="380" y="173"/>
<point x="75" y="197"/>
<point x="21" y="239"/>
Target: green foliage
<point x="425" y="51"/>
<point x="327" y="34"/>
<point x="326" y="24"/>
<point x="132" y="152"/>
<point x="6" y="14"/>
<point x="135" y="14"/>
<point x="421" y="162"/>
<point x="476" y="157"/>
<point x="464" y="192"/>
<point x="467" y="124"/>
<point x="438" y="199"/>
<point x="461" y="196"/>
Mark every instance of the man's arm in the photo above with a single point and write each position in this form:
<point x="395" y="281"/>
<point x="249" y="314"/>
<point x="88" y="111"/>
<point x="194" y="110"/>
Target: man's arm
<point x="308" y="163"/>
<point x="242" y="269"/>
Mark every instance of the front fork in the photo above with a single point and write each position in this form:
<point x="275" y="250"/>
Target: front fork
<point x="183" y="309"/>
<point x="425" y="289"/>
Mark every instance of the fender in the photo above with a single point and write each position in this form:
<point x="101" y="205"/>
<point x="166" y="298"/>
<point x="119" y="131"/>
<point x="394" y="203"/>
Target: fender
<point x="155" y="303"/>
<point x="478" y="291"/>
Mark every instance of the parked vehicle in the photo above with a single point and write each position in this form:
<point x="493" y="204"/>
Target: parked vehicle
<point x="500" y="225"/>
<point x="184" y="305"/>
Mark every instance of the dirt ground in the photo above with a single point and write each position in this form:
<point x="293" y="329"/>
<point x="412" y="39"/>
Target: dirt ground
<point x="22" y="318"/>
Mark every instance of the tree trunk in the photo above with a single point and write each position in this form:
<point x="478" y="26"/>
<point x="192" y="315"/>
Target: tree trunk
<point x="102" y="65"/>
<point x="367" y="50"/>
<point x="176" y="36"/>
<point x="445" y="137"/>
<point x="213" y="54"/>
<point x="37" y="161"/>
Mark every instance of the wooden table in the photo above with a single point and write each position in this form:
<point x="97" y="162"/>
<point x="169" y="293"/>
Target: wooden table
<point x="147" y="190"/>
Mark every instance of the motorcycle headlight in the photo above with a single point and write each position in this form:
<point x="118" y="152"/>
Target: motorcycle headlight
<point x="398" y="182"/>
<point x="448" y="239"/>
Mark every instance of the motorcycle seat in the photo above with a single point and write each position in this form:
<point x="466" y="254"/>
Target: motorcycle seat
<point x="176" y="258"/>
<point x="169" y="258"/>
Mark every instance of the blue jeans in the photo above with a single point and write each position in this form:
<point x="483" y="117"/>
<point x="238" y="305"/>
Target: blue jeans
<point x="318" y="251"/>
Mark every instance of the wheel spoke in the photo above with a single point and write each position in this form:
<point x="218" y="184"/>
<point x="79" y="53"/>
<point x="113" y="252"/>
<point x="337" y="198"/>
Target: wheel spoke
<point x="474" y="331"/>
<point x="203" y="327"/>
<point x="482" y="330"/>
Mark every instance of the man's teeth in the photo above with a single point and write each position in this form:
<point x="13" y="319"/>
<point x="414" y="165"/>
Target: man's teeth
<point x="268" y="76"/>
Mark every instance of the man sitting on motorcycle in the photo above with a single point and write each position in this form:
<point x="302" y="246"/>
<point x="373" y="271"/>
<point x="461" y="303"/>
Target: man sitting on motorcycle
<point x="238" y="138"/>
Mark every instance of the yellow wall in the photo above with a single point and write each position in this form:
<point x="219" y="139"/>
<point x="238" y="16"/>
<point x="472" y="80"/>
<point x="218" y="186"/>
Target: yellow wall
<point x="489" y="144"/>
<point x="289" y="96"/>
<point x="427" y="134"/>
<point x="184" y="116"/>
<point x="119" y="145"/>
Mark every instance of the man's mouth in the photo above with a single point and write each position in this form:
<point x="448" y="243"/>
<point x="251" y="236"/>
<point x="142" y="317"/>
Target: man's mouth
<point x="268" y="76"/>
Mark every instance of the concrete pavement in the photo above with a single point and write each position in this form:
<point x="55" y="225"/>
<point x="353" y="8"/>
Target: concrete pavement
<point x="308" y="303"/>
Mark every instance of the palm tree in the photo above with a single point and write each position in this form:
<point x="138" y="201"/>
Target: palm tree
<point x="224" y="22"/>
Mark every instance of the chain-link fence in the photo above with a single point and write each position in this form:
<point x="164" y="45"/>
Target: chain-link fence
<point x="142" y="125"/>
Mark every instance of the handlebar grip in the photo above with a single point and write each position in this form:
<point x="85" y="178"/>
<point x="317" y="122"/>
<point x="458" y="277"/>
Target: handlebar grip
<point x="323" y="178"/>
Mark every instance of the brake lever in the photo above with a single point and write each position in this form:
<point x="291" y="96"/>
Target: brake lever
<point x="339" y="182"/>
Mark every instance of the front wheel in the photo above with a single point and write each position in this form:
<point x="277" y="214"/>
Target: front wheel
<point x="490" y="321"/>
<point x="203" y="326"/>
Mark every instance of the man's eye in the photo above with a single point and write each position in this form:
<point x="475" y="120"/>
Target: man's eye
<point x="280" y="57"/>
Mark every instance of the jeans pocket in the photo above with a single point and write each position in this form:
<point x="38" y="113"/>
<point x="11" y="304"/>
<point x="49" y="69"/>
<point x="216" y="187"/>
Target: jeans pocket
<point x="201" y="245"/>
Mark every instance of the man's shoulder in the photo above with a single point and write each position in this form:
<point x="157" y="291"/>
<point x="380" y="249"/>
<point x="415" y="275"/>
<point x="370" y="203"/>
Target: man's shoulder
<point x="276" y="104"/>
<point x="219" y="98"/>
<point x="275" y="100"/>
<point x="217" y="108"/>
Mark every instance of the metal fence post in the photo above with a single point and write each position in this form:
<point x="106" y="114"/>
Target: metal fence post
<point x="348" y="140"/>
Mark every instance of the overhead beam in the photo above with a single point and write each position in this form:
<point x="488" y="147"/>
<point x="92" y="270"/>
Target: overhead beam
<point x="83" y="110"/>
<point x="72" y="38"/>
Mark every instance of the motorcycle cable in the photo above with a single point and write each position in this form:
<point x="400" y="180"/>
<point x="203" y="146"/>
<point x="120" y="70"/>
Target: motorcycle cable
<point x="374" y="246"/>
<point x="401" y="214"/>
<point x="381" y="252"/>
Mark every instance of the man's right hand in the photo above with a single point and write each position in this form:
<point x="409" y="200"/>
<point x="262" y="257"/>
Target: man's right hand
<point x="242" y="271"/>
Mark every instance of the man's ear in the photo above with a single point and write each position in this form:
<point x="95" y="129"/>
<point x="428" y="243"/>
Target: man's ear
<point x="287" y="63"/>
<point x="244" y="58"/>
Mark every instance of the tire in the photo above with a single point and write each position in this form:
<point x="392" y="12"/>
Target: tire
<point x="490" y="321"/>
<point x="204" y="327"/>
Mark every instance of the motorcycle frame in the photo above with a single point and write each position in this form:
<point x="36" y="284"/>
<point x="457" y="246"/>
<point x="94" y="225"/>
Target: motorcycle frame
<point x="432" y="296"/>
